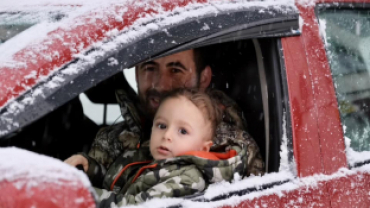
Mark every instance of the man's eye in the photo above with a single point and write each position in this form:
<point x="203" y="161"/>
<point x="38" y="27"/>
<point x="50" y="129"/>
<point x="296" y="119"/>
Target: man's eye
<point x="183" y="131"/>
<point x="175" y="71"/>
<point x="161" y="126"/>
<point x="148" y="68"/>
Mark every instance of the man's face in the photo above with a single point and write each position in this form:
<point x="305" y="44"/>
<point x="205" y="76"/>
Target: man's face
<point x="158" y="77"/>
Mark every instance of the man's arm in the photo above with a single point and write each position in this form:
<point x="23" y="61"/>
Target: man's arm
<point x="109" y="143"/>
<point x="255" y="164"/>
<point x="93" y="169"/>
<point x="233" y="129"/>
<point x="112" y="141"/>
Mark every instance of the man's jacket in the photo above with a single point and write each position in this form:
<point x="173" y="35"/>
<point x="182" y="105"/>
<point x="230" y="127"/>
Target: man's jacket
<point x="115" y="147"/>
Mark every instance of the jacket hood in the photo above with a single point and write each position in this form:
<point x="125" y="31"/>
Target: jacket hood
<point x="215" y="166"/>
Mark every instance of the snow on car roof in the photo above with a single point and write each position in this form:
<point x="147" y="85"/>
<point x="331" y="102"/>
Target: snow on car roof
<point x="33" y="56"/>
<point x="6" y="6"/>
<point x="30" y="169"/>
<point x="41" y="12"/>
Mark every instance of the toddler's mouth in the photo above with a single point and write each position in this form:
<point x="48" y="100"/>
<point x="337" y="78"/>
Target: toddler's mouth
<point x="163" y="150"/>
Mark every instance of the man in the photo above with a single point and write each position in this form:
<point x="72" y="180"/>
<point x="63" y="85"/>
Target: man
<point x="180" y="70"/>
<point x="155" y="78"/>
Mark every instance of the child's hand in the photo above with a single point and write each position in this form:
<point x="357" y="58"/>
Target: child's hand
<point x="76" y="160"/>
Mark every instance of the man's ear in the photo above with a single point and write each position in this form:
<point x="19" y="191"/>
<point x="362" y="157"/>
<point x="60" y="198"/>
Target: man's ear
<point x="207" y="146"/>
<point x="205" y="78"/>
<point x="137" y="76"/>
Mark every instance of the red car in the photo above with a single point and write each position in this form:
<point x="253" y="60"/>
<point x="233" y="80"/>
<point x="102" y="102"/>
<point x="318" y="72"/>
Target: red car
<point x="298" y="69"/>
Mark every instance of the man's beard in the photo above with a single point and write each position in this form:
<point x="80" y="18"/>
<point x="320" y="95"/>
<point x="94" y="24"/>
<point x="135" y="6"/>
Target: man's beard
<point x="145" y="100"/>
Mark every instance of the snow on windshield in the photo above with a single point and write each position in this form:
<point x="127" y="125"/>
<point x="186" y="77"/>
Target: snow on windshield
<point x="17" y="164"/>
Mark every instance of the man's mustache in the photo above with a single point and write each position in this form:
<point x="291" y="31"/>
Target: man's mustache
<point x="155" y="93"/>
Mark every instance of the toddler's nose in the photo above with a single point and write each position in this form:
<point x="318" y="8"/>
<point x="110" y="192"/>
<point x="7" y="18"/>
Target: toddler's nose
<point x="168" y="135"/>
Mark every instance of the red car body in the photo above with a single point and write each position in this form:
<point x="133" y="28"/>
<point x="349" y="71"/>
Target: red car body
<point x="323" y="176"/>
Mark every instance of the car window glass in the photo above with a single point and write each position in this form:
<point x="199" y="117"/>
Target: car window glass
<point x="95" y="111"/>
<point x="130" y="77"/>
<point x="14" y="23"/>
<point x="347" y="38"/>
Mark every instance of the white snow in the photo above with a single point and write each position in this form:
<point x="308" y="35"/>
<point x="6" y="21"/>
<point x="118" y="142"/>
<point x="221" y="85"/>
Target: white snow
<point x="30" y="169"/>
<point x="307" y="3"/>
<point x="322" y="31"/>
<point x="190" y="11"/>
<point x="20" y="41"/>
<point x="205" y="27"/>
<point x="285" y="165"/>
<point x="250" y="182"/>
<point x="301" y="23"/>
<point x="112" y="61"/>
<point x="353" y="156"/>
<point x="47" y="5"/>
<point x="40" y="11"/>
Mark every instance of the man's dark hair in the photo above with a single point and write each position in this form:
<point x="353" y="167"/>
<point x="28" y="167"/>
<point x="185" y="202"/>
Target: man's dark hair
<point x="200" y="59"/>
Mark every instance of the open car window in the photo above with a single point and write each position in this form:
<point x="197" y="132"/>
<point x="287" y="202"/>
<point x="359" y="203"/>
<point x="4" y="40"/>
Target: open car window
<point x="246" y="59"/>
<point x="106" y="113"/>
<point x="346" y="31"/>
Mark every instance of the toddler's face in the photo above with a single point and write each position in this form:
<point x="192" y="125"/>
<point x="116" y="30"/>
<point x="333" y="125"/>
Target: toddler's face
<point x="178" y="127"/>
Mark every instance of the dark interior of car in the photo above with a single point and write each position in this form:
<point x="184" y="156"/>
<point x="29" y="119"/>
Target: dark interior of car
<point x="67" y="130"/>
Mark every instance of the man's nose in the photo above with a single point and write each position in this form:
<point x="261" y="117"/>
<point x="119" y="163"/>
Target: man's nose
<point x="162" y="82"/>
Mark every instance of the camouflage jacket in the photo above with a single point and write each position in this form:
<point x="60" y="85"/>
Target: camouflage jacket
<point x="115" y="146"/>
<point x="187" y="174"/>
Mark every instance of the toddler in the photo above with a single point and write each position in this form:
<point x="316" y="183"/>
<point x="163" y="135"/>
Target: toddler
<point x="182" y="133"/>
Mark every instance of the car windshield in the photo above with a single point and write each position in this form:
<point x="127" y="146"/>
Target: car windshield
<point x="11" y="24"/>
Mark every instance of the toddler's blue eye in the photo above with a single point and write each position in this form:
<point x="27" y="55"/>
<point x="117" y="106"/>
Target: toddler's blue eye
<point x="161" y="126"/>
<point x="183" y="131"/>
